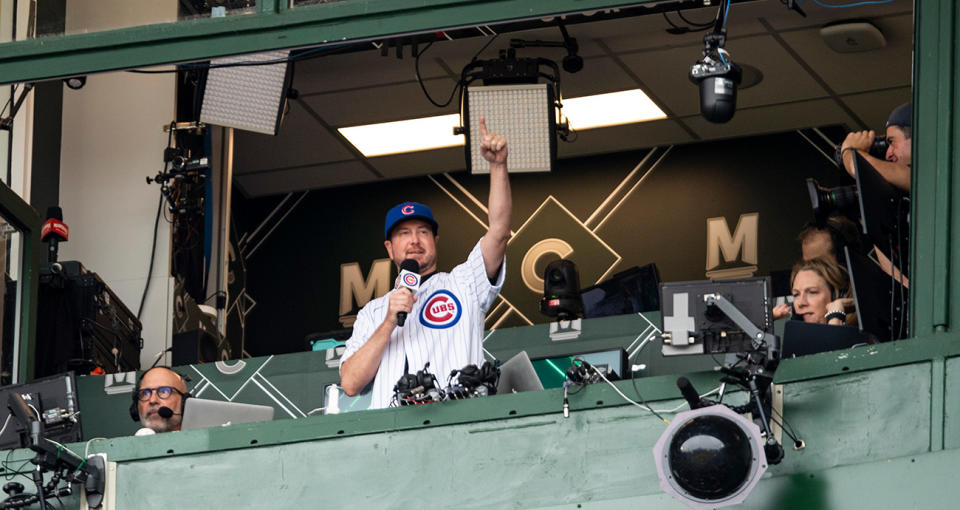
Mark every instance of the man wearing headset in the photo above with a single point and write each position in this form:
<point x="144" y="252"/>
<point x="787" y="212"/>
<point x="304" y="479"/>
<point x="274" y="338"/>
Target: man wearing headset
<point x="160" y="387"/>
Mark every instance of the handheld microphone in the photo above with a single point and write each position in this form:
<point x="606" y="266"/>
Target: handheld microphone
<point x="409" y="279"/>
<point x="166" y="413"/>
<point x="54" y="230"/>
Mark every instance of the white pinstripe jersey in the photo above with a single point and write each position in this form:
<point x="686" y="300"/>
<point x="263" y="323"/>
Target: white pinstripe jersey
<point x="445" y="326"/>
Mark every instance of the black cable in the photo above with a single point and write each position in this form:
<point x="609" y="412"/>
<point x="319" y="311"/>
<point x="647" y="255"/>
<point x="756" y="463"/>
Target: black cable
<point x="893" y="287"/>
<point x="416" y="68"/>
<point x="153" y="252"/>
<point x="156" y="226"/>
<point x="633" y="381"/>
<point x="693" y="23"/>
<point x="459" y="85"/>
<point x="13" y="93"/>
<point x="903" y="291"/>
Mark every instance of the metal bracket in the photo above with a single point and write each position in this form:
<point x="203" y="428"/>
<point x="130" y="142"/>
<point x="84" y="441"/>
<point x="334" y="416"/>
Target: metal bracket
<point x="759" y="337"/>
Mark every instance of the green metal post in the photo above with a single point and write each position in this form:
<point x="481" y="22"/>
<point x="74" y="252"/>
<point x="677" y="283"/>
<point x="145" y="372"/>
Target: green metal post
<point x="25" y="219"/>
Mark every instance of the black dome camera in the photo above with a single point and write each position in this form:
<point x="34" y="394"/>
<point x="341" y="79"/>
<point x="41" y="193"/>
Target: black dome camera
<point x="718" y="78"/>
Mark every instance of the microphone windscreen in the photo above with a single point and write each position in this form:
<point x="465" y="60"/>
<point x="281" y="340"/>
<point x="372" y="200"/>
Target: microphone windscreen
<point x="410" y="265"/>
<point x="145" y="431"/>
<point x="165" y="412"/>
<point x="55" y="213"/>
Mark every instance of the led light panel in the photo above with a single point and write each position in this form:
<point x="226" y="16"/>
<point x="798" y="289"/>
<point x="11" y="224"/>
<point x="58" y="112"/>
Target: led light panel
<point x="524" y="115"/>
<point x="246" y="97"/>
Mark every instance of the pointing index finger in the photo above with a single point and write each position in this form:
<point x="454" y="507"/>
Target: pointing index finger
<point x="483" y="127"/>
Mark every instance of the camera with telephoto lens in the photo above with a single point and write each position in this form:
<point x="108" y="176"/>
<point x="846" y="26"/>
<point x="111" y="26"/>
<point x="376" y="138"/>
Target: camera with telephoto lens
<point x="826" y="202"/>
<point x="878" y="149"/>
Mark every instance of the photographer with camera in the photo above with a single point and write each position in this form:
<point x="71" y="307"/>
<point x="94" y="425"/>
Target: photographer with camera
<point x="896" y="166"/>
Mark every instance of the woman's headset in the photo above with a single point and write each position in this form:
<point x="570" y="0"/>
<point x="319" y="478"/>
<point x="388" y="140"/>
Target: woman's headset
<point x="134" y="409"/>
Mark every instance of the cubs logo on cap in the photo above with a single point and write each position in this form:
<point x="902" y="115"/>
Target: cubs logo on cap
<point x="408" y="211"/>
<point x="441" y="310"/>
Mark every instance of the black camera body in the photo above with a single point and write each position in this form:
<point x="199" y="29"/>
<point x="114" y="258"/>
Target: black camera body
<point x="878" y="149"/>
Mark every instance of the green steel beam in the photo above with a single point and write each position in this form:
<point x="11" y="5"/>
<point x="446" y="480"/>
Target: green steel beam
<point x="26" y="219"/>
<point x="871" y="357"/>
<point x="274" y="26"/>
<point x="935" y="231"/>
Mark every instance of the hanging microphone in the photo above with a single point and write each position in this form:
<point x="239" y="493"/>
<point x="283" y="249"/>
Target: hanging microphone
<point x="54" y="231"/>
<point x="166" y="413"/>
<point x="409" y="279"/>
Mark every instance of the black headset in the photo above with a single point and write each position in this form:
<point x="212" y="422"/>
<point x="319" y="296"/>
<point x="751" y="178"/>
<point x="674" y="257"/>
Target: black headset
<point x="135" y="411"/>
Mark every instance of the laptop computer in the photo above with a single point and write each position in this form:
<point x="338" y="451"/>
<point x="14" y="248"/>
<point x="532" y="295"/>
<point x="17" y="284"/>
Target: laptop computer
<point x="517" y="375"/>
<point x="200" y="413"/>
<point x="802" y="338"/>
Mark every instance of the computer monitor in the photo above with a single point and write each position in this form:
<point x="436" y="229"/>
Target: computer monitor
<point x="54" y="400"/>
<point x="630" y="291"/>
<point x="692" y="326"/>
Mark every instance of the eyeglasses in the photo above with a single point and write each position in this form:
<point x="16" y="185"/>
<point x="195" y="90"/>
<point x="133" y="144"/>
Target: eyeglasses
<point x="163" y="393"/>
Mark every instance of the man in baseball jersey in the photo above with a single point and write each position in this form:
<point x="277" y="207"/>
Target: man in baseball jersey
<point x="444" y="324"/>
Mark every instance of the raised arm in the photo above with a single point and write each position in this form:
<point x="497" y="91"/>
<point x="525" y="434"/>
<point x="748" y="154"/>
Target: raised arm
<point x="499" y="204"/>
<point x="897" y="174"/>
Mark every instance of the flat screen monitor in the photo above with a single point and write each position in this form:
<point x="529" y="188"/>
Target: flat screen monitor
<point x="630" y="291"/>
<point x="54" y="400"/>
<point x="693" y="327"/>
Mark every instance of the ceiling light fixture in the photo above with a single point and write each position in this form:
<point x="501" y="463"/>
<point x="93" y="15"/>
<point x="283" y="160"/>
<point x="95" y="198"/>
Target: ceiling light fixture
<point x="427" y="133"/>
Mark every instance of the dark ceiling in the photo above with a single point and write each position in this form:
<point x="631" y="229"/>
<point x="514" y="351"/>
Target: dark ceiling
<point x="804" y="84"/>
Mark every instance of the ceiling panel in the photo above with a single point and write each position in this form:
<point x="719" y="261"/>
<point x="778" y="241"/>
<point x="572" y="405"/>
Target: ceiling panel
<point x="319" y="176"/>
<point x="301" y="140"/>
<point x="624" y="138"/>
<point x="773" y="118"/>
<point x="875" y="107"/>
<point x="420" y="163"/>
<point x="855" y="72"/>
<point x="379" y="104"/>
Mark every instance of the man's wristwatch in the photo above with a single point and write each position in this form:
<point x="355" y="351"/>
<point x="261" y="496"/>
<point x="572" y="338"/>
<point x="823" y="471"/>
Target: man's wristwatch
<point x="835" y="314"/>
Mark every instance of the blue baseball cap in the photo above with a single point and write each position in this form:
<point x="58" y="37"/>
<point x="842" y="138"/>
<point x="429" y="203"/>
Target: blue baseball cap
<point x="408" y="211"/>
<point x="901" y="116"/>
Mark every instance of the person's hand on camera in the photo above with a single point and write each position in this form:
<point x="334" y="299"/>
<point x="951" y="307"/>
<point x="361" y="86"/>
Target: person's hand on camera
<point x="856" y="140"/>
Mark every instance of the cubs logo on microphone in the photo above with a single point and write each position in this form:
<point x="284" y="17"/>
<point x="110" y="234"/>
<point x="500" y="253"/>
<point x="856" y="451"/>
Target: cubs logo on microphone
<point x="410" y="279"/>
<point x="441" y="310"/>
<point x="407" y="209"/>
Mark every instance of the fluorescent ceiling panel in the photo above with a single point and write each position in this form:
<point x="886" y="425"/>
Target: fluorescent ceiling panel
<point x="612" y="109"/>
<point x="587" y="112"/>
<point x="404" y="135"/>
